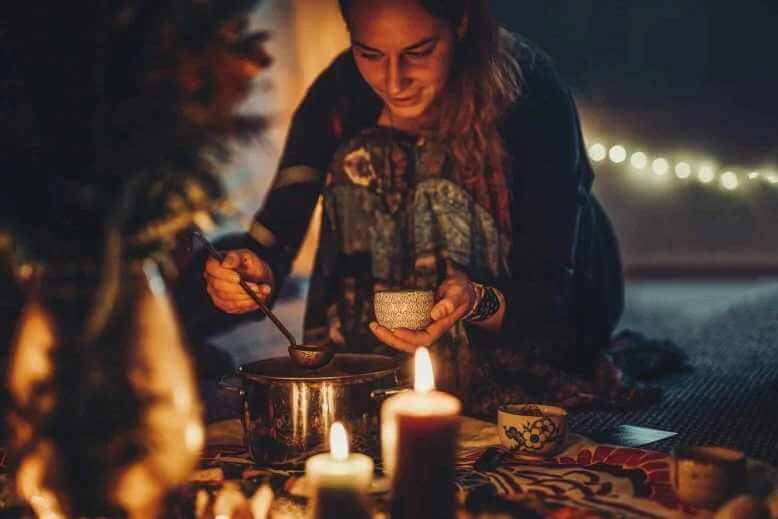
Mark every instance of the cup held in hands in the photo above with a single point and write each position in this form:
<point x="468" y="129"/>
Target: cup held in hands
<point x="403" y="308"/>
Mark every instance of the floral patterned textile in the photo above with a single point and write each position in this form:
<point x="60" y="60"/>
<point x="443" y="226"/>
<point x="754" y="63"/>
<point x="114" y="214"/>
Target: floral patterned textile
<point x="397" y="216"/>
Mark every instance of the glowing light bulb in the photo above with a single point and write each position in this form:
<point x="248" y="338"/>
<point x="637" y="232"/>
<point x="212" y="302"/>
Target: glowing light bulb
<point x="598" y="152"/>
<point x="424" y="379"/>
<point x="638" y="160"/>
<point x="683" y="170"/>
<point x="729" y="180"/>
<point x="706" y="174"/>
<point x="617" y="154"/>
<point x="660" y="166"/>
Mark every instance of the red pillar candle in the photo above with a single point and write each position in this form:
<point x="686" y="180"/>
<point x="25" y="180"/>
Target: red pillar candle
<point x="418" y="438"/>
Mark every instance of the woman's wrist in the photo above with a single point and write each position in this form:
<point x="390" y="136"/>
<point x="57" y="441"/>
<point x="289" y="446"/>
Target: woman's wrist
<point x="486" y="303"/>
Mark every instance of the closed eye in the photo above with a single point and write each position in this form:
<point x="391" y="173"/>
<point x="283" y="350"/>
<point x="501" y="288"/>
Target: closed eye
<point x="423" y="50"/>
<point x="420" y="53"/>
<point x="368" y="55"/>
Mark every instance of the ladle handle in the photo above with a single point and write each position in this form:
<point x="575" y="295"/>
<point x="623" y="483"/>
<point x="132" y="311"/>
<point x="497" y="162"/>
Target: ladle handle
<point x="262" y="306"/>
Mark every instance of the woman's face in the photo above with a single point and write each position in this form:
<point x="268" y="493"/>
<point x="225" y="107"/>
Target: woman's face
<point x="403" y="52"/>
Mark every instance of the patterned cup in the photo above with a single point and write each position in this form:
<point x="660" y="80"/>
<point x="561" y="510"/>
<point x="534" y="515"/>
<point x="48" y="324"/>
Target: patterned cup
<point x="403" y="308"/>
<point x="707" y="476"/>
<point x="532" y="429"/>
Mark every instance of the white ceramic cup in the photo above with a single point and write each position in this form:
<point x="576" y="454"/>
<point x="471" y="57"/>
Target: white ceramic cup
<point x="535" y="430"/>
<point x="403" y="308"/>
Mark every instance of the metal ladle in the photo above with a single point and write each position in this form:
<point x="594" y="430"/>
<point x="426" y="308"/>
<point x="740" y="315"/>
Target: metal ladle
<point x="309" y="357"/>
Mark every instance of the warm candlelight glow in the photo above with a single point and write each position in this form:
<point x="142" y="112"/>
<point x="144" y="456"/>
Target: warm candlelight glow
<point x="337" y="480"/>
<point x="338" y="442"/>
<point x="423" y="380"/>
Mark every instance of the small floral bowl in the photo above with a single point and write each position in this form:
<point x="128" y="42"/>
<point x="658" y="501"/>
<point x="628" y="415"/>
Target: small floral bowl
<point x="403" y="308"/>
<point x="532" y="429"/>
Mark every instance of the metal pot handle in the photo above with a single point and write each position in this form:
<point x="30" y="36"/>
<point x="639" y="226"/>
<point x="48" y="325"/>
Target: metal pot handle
<point x="226" y="386"/>
<point x="384" y="393"/>
<point x="245" y="421"/>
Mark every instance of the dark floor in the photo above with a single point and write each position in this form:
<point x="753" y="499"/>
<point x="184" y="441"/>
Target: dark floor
<point x="728" y="329"/>
<point x="730" y="332"/>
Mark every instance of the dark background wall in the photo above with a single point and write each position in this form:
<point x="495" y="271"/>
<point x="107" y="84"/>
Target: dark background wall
<point x="676" y="77"/>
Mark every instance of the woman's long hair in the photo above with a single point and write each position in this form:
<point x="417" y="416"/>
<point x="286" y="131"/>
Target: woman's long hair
<point x="484" y="82"/>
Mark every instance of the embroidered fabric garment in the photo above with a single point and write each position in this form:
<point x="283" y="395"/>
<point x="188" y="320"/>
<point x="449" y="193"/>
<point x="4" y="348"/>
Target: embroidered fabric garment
<point x="395" y="217"/>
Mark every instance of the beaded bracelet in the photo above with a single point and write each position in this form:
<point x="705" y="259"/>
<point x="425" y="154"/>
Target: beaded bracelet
<point x="486" y="304"/>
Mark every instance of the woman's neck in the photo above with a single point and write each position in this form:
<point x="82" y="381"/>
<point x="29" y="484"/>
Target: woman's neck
<point x="412" y="126"/>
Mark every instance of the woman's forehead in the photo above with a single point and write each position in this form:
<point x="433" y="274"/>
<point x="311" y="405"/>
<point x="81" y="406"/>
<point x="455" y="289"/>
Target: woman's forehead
<point x="389" y="24"/>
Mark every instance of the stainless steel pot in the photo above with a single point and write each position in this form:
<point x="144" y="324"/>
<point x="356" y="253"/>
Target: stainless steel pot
<point x="288" y="410"/>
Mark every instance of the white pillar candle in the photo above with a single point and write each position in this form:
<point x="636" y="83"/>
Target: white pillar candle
<point x="338" y="480"/>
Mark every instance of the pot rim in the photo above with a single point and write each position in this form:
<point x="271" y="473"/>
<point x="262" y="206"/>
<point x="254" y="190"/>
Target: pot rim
<point x="357" y="378"/>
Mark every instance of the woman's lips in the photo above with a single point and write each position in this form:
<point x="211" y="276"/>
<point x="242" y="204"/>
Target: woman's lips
<point x="403" y="101"/>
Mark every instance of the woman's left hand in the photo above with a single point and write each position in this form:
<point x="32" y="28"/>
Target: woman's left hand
<point x="455" y="298"/>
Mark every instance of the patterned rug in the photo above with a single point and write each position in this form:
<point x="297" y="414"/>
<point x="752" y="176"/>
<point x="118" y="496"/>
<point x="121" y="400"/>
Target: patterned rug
<point x="601" y="480"/>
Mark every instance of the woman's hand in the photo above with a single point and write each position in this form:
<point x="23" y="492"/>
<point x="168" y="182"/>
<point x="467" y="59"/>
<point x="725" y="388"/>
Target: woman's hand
<point x="222" y="281"/>
<point x="455" y="298"/>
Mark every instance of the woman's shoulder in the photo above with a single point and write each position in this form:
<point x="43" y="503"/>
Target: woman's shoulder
<point x="537" y="70"/>
<point x="544" y="99"/>
<point x="341" y="79"/>
<point x="341" y="92"/>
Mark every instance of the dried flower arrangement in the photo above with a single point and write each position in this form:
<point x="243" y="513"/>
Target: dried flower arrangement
<point x="116" y="114"/>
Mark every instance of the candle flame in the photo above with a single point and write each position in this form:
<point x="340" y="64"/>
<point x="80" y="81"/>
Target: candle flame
<point x="424" y="379"/>
<point x="338" y="442"/>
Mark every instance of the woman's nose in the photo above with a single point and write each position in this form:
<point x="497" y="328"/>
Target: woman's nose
<point x="396" y="77"/>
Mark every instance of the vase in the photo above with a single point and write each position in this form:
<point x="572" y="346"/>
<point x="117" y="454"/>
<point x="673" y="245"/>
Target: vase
<point x="105" y="419"/>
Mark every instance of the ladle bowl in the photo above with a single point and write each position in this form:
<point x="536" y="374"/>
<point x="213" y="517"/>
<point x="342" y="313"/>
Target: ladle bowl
<point x="310" y="357"/>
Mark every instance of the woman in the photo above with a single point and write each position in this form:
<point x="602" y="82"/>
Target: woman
<point x="449" y="156"/>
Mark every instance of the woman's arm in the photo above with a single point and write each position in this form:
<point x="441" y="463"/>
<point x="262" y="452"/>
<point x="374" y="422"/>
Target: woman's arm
<point x="338" y="104"/>
<point x="550" y="187"/>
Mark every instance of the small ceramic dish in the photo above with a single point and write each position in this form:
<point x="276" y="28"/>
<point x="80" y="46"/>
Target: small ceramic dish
<point x="403" y="308"/>
<point x="532" y="430"/>
<point x="707" y="476"/>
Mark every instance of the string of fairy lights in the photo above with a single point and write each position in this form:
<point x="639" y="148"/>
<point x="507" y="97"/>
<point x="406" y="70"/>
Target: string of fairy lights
<point x="703" y="171"/>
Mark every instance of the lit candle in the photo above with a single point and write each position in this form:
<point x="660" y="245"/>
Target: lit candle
<point x="418" y="440"/>
<point x="338" y="480"/>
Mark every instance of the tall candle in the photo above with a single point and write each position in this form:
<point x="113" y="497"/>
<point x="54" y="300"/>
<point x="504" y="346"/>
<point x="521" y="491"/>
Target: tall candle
<point x="418" y="441"/>
<point x="338" y="481"/>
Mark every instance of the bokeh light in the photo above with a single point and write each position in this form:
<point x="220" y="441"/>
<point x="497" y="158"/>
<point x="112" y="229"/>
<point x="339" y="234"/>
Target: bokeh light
<point x="729" y="180"/>
<point x="660" y="166"/>
<point x="617" y="154"/>
<point x="706" y="174"/>
<point x="598" y="152"/>
<point x="683" y="170"/>
<point x="638" y="160"/>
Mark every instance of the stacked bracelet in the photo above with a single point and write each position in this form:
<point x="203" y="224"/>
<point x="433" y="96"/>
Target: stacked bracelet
<point x="486" y="304"/>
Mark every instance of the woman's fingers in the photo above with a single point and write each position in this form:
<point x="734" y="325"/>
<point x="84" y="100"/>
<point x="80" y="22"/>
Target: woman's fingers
<point x="441" y="309"/>
<point x="217" y="270"/>
<point x="390" y="339"/>
<point x="453" y="295"/>
<point x="248" y="265"/>
<point x="231" y="305"/>
<point x="223" y="281"/>
<point x="239" y="264"/>
<point x="407" y="340"/>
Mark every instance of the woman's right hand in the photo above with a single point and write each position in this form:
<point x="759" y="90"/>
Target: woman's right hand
<point x="222" y="281"/>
